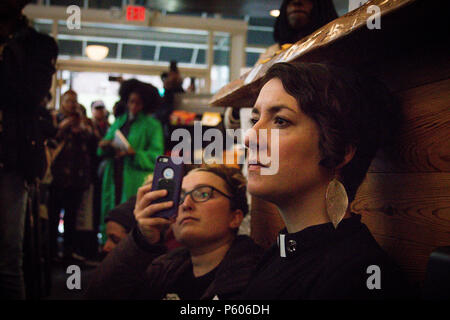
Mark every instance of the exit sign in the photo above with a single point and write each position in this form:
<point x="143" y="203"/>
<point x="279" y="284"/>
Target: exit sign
<point x="135" y="13"/>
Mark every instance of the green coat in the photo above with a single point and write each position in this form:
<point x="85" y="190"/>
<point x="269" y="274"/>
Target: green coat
<point x="146" y="138"/>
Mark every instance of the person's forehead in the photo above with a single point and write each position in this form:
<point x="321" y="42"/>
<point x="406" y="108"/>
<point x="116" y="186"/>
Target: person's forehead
<point x="113" y="226"/>
<point x="203" y="177"/>
<point x="274" y="94"/>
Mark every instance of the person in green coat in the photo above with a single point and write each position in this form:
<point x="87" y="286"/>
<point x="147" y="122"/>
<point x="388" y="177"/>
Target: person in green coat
<point x="126" y="171"/>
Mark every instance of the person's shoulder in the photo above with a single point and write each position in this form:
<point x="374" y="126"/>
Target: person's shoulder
<point x="359" y="247"/>
<point x="351" y="263"/>
<point x="243" y="245"/>
<point x="150" y="120"/>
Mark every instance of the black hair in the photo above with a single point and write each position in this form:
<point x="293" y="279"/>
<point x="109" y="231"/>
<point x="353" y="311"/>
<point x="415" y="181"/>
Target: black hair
<point x="126" y="87"/>
<point x="350" y="110"/>
<point x="323" y="12"/>
<point x="149" y="95"/>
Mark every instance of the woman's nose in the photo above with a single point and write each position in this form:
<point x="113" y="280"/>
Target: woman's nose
<point x="187" y="203"/>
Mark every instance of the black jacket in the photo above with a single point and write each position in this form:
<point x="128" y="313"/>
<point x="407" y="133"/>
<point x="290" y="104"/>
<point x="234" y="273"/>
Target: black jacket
<point x="323" y="263"/>
<point x="26" y="69"/>
<point x="132" y="272"/>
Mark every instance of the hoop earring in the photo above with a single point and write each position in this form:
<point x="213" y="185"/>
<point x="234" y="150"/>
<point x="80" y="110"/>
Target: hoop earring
<point x="336" y="201"/>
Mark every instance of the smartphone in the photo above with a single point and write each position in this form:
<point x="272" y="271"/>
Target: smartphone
<point x="168" y="175"/>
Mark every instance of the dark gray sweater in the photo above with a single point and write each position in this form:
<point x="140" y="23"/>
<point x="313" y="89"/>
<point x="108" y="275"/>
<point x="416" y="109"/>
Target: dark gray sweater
<point x="136" y="270"/>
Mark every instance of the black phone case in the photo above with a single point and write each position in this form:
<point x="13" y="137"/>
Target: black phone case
<point x="173" y="186"/>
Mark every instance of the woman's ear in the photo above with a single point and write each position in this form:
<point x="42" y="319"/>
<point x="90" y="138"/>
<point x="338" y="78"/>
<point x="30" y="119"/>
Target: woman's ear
<point x="238" y="216"/>
<point x="350" y="151"/>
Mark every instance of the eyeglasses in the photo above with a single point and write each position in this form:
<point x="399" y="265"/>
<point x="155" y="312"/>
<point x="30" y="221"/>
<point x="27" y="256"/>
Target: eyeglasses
<point x="201" y="194"/>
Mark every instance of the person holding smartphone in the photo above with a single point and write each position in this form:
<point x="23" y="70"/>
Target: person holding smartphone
<point x="214" y="262"/>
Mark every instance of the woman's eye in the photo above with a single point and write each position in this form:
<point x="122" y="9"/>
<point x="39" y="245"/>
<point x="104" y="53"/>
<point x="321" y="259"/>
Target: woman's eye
<point x="280" y="121"/>
<point x="253" y="121"/>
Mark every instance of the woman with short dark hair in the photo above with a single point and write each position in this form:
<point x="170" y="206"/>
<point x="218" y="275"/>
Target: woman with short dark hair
<point x="330" y="123"/>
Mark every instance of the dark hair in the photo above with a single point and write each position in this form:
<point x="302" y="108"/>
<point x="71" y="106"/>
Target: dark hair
<point x="126" y="87"/>
<point x="350" y="110"/>
<point x="149" y="95"/>
<point x="323" y="12"/>
<point x="164" y="76"/>
<point x="234" y="180"/>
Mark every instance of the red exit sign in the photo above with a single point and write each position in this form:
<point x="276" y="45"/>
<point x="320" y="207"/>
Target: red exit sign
<point x="135" y="13"/>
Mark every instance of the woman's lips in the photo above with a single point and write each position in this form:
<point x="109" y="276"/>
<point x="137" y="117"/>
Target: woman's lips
<point x="255" y="167"/>
<point x="297" y="11"/>
<point x="187" y="219"/>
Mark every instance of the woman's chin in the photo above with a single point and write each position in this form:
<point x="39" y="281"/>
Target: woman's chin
<point x="258" y="188"/>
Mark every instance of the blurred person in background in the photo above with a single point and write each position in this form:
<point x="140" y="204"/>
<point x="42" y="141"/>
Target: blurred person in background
<point x="298" y="19"/>
<point x="120" y="107"/>
<point x="71" y="171"/>
<point x="125" y="171"/>
<point x="100" y="126"/>
<point x="172" y="82"/>
<point x="27" y="63"/>
<point x="119" y="222"/>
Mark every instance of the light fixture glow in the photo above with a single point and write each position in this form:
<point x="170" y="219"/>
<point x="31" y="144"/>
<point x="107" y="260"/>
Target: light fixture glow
<point x="275" y="13"/>
<point x="97" y="52"/>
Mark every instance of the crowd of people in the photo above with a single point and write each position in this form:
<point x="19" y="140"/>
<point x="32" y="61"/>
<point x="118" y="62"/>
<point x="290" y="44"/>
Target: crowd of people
<point x="331" y="122"/>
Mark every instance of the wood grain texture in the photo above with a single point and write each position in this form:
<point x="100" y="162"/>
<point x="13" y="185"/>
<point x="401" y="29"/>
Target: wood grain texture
<point x="409" y="215"/>
<point x="423" y="143"/>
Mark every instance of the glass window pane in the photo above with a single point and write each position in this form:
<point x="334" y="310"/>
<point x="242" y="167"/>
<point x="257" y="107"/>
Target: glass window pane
<point x="252" y="57"/>
<point x="138" y="52"/>
<point x="260" y="38"/>
<point x="70" y="47"/>
<point x="177" y="54"/>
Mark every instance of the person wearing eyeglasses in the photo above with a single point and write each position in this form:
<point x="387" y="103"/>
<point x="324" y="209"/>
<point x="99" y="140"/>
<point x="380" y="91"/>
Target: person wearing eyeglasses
<point x="214" y="262"/>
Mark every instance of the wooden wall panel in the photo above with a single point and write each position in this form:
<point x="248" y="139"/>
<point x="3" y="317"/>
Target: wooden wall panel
<point x="409" y="215"/>
<point x="423" y="144"/>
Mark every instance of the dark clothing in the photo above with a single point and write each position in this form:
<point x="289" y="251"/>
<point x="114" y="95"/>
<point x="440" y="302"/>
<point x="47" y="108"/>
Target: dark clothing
<point x="188" y="287"/>
<point x="73" y="166"/>
<point x="26" y="69"/>
<point x="101" y="127"/>
<point x="137" y="270"/>
<point x="72" y="176"/>
<point x="166" y="109"/>
<point x="325" y="263"/>
<point x="68" y="199"/>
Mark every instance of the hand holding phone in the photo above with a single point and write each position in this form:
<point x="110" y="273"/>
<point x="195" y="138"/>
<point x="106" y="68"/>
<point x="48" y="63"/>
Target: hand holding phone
<point x="168" y="176"/>
<point x="151" y="227"/>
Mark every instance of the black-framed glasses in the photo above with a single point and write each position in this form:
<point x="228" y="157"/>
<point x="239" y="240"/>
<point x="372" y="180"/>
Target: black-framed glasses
<point x="201" y="194"/>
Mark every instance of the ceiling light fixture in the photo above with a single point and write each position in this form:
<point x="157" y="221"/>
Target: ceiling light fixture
<point x="275" y="13"/>
<point x="96" y="52"/>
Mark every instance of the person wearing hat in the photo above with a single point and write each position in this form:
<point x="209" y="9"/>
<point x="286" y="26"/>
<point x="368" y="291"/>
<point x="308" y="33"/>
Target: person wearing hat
<point x="100" y="118"/>
<point x="119" y="222"/>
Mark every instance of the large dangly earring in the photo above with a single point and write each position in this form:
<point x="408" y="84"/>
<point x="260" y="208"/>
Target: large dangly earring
<point x="337" y="201"/>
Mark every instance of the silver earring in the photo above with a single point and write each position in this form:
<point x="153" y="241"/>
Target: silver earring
<point x="337" y="201"/>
